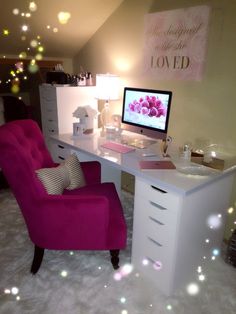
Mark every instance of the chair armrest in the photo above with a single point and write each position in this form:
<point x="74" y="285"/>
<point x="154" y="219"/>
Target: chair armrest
<point x="70" y="222"/>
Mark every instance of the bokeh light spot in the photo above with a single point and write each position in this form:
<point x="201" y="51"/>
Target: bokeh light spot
<point x="201" y="277"/>
<point x="122" y="299"/>
<point x="145" y="262"/>
<point x="15" y="89"/>
<point x="126" y="269"/>
<point x="23" y="55"/>
<point x="5" y="32"/>
<point x="192" y="289"/>
<point x="14" y="290"/>
<point x="38" y="56"/>
<point x="33" y="67"/>
<point x="15" y="11"/>
<point x="64" y="273"/>
<point x="24" y="28"/>
<point x="214" y="221"/>
<point x="63" y="17"/>
<point x="117" y="276"/>
<point x="230" y="210"/>
<point x="40" y="49"/>
<point x="34" y="43"/>
<point x="32" y="6"/>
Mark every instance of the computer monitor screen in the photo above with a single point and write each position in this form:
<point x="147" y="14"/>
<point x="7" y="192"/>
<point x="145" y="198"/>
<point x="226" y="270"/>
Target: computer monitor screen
<point x="146" y="111"/>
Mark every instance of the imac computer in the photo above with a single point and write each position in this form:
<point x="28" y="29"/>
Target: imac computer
<point x="146" y="112"/>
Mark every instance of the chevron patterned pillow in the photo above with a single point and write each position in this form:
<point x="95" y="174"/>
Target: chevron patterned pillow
<point x="76" y="175"/>
<point x="68" y="175"/>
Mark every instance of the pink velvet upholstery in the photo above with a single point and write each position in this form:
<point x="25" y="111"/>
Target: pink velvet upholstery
<point x="87" y="218"/>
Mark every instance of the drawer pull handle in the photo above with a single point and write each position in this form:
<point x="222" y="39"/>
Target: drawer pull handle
<point x="160" y="190"/>
<point x="156" y="221"/>
<point x="60" y="146"/>
<point x="154" y="241"/>
<point x="50" y="120"/>
<point x="157" y="205"/>
<point x="62" y="158"/>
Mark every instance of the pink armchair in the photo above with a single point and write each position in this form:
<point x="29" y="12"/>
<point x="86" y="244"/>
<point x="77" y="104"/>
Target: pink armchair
<point x="86" y="218"/>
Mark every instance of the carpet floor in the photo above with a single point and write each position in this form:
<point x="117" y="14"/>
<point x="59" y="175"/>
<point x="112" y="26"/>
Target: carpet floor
<point x="82" y="282"/>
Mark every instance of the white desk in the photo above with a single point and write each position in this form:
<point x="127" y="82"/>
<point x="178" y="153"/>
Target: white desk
<point x="171" y="211"/>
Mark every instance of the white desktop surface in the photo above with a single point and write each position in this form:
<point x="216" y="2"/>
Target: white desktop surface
<point x="129" y="162"/>
<point x="170" y="209"/>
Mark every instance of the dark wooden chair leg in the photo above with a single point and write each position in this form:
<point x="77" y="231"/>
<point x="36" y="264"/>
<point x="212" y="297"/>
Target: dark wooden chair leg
<point x="115" y="258"/>
<point x="37" y="260"/>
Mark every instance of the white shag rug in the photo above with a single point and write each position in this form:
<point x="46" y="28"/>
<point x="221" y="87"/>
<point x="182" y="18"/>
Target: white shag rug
<point x="82" y="282"/>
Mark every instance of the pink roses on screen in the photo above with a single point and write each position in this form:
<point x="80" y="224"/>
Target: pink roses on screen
<point x="150" y="106"/>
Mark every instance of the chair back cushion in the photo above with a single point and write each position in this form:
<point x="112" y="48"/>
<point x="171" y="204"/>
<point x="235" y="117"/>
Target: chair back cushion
<point x="23" y="150"/>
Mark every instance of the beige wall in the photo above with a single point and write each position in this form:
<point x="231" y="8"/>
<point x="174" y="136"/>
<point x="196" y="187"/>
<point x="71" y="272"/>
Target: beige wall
<point x="200" y="109"/>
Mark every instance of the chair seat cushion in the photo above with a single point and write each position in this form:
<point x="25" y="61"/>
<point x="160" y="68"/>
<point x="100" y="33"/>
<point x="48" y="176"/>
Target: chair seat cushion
<point x="68" y="175"/>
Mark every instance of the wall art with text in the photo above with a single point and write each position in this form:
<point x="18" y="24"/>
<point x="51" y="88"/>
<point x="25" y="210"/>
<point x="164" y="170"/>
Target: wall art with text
<point x="175" y="43"/>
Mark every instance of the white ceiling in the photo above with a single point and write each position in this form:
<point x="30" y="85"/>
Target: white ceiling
<point x="86" y="18"/>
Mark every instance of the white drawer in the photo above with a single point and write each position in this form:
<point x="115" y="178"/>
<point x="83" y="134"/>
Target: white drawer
<point x="154" y="223"/>
<point x="49" y="106"/>
<point x="166" y="215"/>
<point x="160" y="264"/>
<point x="50" y="116"/>
<point x="50" y="129"/>
<point x="48" y="93"/>
<point x="163" y="198"/>
<point x="60" y="152"/>
<point x="162" y="234"/>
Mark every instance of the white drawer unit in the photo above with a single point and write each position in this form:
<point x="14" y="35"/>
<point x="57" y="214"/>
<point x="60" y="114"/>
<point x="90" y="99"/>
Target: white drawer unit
<point x="170" y="229"/>
<point x="58" y="104"/>
<point x="155" y="220"/>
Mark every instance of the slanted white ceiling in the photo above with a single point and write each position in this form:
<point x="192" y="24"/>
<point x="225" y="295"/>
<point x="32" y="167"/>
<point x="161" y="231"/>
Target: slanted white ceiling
<point x="86" y="18"/>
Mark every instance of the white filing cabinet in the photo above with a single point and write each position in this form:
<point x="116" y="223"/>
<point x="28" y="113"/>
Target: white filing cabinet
<point x="154" y="232"/>
<point x="57" y="106"/>
<point x="170" y="230"/>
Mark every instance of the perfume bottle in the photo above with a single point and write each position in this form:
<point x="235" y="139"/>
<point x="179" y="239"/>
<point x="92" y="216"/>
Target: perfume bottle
<point x="186" y="152"/>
